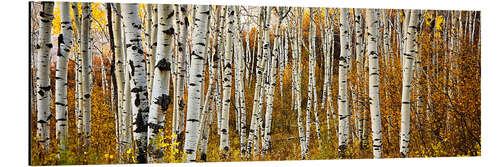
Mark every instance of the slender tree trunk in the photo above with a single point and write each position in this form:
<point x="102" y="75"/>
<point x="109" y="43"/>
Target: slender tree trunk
<point x="161" y="81"/>
<point x="224" y="138"/>
<point x="239" y="84"/>
<point x="374" y="83"/>
<point x="343" y="70"/>
<point x="179" y="103"/>
<point x="138" y="80"/>
<point x="253" y="133"/>
<point x="409" y="55"/>
<point x="43" y="75"/>
<point x="61" y="102"/>
<point x="270" y="92"/>
<point x="202" y="17"/>
<point x="86" y="72"/>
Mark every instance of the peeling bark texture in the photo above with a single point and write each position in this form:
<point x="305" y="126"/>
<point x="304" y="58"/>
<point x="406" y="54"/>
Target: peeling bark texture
<point x="161" y="82"/>
<point x="138" y="80"/>
<point x="43" y="75"/>
<point x="202" y="17"/>
<point x="410" y="53"/>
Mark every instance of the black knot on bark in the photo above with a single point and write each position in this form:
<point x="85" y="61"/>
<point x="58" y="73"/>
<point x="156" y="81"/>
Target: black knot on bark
<point x="163" y="101"/>
<point x="169" y="31"/>
<point x="163" y="65"/>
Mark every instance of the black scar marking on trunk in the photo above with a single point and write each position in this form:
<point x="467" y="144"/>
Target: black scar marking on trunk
<point x="163" y="101"/>
<point x="163" y="65"/>
<point x="131" y="63"/>
<point x="170" y="31"/>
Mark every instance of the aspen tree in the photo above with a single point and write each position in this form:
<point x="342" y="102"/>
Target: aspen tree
<point x="239" y="85"/>
<point x="227" y="78"/>
<point x="343" y="104"/>
<point x="61" y="100"/>
<point x="138" y="79"/>
<point x="43" y="75"/>
<point x="261" y="61"/>
<point x="270" y="92"/>
<point x="202" y="17"/>
<point x="119" y="69"/>
<point x="161" y="81"/>
<point x="150" y="58"/>
<point x="78" y="80"/>
<point x="86" y="72"/>
<point x="179" y="103"/>
<point x="374" y="82"/>
<point x="409" y="55"/>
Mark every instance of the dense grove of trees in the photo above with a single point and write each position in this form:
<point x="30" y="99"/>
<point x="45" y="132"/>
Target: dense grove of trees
<point x="153" y="83"/>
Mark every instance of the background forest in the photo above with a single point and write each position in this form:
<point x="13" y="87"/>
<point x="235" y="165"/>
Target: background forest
<point x="148" y="83"/>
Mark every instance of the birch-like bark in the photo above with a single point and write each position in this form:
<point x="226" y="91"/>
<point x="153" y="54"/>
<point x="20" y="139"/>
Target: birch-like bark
<point x="202" y="17"/>
<point x="138" y="79"/>
<point x="161" y="81"/>
<point x="43" y="75"/>
<point x="119" y="71"/>
<point x="239" y="85"/>
<point x="409" y="55"/>
<point x="253" y="133"/>
<point x="343" y="70"/>
<point x="86" y="72"/>
<point x="179" y="103"/>
<point x="270" y="92"/>
<point x="150" y="58"/>
<point x="61" y="101"/>
<point x="374" y="83"/>
<point x="227" y="70"/>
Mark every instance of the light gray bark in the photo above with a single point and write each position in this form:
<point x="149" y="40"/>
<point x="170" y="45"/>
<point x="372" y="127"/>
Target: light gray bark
<point x="61" y="100"/>
<point x="409" y="55"/>
<point x="195" y="79"/>
<point x="43" y="75"/>
<point x="138" y="79"/>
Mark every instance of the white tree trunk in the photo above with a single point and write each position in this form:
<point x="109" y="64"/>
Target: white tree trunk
<point x="61" y="100"/>
<point x="195" y="80"/>
<point x="86" y="72"/>
<point x="179" y="102"/>
<point x="409" y="55"/>
<point x="270" y="93"/>
<point x="374" y="83"/>
<point x="343" y="70"/>
<point x="227" y="70"/>
<point x="43" y="75"/>
<point x="161" y="81"/>
<point x="138" y="80"/>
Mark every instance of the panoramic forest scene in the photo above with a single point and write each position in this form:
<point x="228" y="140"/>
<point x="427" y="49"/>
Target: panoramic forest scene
<point x="124" y="83"/>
